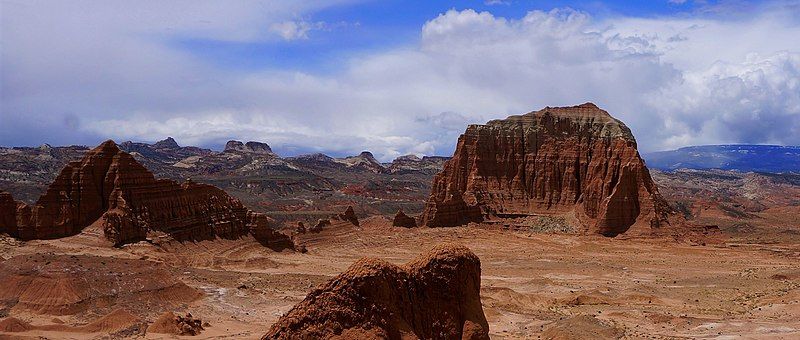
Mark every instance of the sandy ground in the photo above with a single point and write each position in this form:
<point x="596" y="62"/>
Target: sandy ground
<point x="533" y="285"/>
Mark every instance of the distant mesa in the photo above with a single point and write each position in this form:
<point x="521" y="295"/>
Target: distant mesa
<point x="168" y="143"/>
<point x="412" y="163"/>
<point x="110" y="190"/>
<point x="558" y="160"/>
<point x="739" y="157"/>
<point x="435" y="296"/>
<point x="249" y="147"/>
<point x="364" y="161"/>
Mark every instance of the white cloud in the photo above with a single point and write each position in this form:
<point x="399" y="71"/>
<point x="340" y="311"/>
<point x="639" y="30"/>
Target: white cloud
<point x="296" y="29"/>
<point x="497" y="2"/>
<point x="673" y="81"/>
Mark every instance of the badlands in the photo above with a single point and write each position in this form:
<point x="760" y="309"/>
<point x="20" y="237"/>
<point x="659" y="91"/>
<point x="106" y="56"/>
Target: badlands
<point x="545" y="225"/>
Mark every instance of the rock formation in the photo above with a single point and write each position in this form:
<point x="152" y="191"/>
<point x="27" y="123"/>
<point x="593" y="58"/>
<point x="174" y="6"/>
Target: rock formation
<point x="436" y="296"/>
<point x="249" y="147"/>
<point x="169" y="323"/>
<point x="321" y="223"/>
<point x="260" y="227"/>
<point x="168" y="143"/>
<point x="403" y="220"/>
<point x="412" y="163"/>
<point x="110" y="187"/>
<point x="8" y="214"/>
<point x="364" y="161"/>
<point x="553" y="161"/>
<point x="349" y="215"/>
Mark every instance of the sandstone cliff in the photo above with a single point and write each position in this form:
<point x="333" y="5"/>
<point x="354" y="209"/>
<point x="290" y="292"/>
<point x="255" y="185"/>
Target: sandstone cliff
<point x="552" y="161"/>
<point x="110" y="188"/>
<point x="436" y="296"/>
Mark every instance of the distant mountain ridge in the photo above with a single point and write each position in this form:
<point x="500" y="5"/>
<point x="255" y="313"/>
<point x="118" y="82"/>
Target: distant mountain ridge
<point x="740" y="157"/>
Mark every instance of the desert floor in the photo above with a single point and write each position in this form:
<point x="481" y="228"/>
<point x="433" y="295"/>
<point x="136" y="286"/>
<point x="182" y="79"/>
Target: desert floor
<point x="531" y="283"/>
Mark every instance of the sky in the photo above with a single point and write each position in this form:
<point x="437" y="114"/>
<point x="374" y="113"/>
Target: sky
<point x="393" y="77"/>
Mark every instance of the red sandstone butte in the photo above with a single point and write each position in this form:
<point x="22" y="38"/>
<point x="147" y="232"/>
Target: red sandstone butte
<point x="436" y="296"/>
<point x="110" y="188"/>
<point x="556" y="160"/>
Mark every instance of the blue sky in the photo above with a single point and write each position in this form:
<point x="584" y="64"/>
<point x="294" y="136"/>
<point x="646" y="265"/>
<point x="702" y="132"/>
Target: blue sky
<point x="393" y="77"/>
<point x="372" y="25"/>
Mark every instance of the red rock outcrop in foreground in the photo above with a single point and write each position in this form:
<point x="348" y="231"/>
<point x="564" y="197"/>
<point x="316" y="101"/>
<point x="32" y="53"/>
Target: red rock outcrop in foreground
<point x="436" y="296"/>
<point x="110" y="189"/>
<point x="553" y="161"/>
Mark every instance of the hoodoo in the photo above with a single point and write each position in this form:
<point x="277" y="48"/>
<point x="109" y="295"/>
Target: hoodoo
<point x="436" y="296"/>
<point x="557" y="160"/>
<point x="110" y="189"/>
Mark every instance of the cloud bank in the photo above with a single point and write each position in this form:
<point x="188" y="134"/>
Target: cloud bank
<point x="84" y="71"/>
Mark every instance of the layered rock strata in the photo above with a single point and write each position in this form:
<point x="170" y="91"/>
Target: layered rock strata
<point x="558" y="160"/>
<point x="436" y="296"/>
<point x="110" y="188"/>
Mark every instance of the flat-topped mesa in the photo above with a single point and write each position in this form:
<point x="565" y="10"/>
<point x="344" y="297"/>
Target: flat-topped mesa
<point x="553" y="161"/>
<point x="110" y="189"/>
<point x="249" y="147"/>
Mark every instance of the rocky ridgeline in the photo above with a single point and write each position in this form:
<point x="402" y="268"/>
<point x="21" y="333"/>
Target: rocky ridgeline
<point x="553" y="161"/>
<point x="412" y="163"/>
<point x="436" y="296"/>
<point x="109" y="189"/>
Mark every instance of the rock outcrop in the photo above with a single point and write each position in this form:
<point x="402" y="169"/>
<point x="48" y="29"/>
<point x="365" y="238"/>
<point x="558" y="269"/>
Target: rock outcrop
<point x="249" y="147"/>
<point x="436" y="296"/>
<point x="168" y="143"/>
<point x="403" y="220"/>
<point x="321" y="224"/>
<point x="553" y="161"/>
<point x="349" y="215"/>
<point x="364" y="161"/>
<point x="109" y="187"/>
<point x="169" y="323"/>
<point x="412" y="163"/>
<point x="8" y="214"/>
